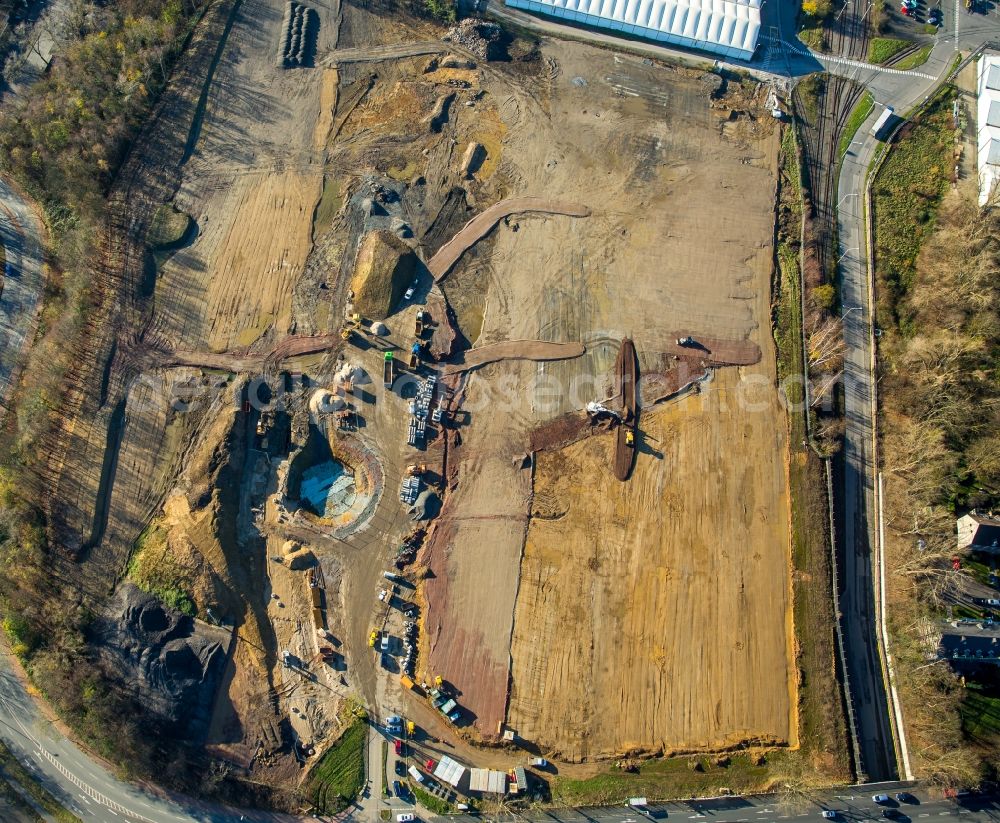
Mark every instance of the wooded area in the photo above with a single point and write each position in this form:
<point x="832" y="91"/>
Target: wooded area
<point x="63" y="139"/>
<point x="941" y="418"/>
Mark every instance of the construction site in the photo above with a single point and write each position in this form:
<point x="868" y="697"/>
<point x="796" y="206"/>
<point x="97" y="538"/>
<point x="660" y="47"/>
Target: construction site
<point x="458" y="403"/>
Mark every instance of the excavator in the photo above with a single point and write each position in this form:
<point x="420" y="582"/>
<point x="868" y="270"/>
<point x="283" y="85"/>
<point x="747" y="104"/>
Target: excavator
<point x="351" y="326"/>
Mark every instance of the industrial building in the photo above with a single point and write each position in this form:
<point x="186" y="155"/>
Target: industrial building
<point x="988" y="123"/>
<point x="729" y="28"/>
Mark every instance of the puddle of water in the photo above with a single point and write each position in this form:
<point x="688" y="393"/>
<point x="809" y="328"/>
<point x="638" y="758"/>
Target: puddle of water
<point x="329" y="489"/>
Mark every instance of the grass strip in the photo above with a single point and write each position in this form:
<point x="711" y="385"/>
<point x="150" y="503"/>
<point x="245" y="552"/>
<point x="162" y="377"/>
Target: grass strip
<point x="430" y="802"/>
<point x="340" y="774"/>
<point x="42" y="796"/>
<point x="883" y="49"/>
<point x="918" y="58"/>
<point x="857" y="116"/>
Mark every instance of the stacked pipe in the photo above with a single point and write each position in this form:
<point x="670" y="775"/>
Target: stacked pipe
<point x="295" y="34"/>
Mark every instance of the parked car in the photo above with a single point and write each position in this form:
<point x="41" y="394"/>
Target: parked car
<point x="829" y="814"/>
<point x="935" y="17"/>
<point x="400" y="768"/>
<point x="905" y="797"/>
<point x="880" y="798"/>
<point x="891" y="814"/>
<point x="406" y="817"/>
<point x="540" y="763"/>
<point x="398" y="745"/>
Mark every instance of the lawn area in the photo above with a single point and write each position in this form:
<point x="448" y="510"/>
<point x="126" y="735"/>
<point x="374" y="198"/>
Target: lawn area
<point x="813" y="37"/>
<point x="857" y="116"/>
<point x="918" y="58"/>
<point x="905" y="198"/>
<point x="430" y="802"/>
<point x="15" y="772"/>
<point x="882" y="49"/>
<point x="340" y="774"/>
<point x="981" y="714"/>
<point x="667" y="778"/>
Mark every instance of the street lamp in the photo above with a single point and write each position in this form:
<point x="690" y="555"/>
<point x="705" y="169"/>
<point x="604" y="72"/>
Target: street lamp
<point x="852" y="194"/>
<point x="853" y="248"/>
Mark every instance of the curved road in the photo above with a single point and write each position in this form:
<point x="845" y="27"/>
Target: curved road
<point x="21" y="236"/>
<point x="84" y="784"/>
<point x="881" y="731"/>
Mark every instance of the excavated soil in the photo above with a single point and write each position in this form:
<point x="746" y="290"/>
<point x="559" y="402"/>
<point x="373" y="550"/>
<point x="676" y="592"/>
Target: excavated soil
<point x="655" y="614"/>
<point x="678" y="238"/>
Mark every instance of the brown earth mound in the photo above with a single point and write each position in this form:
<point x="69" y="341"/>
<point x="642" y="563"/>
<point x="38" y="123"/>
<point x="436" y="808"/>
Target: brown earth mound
<point x="382" y="271"/>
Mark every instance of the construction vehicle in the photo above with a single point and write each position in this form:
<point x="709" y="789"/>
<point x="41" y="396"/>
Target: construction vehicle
<point x="372" y="638"/>
<point x="407" y="683"/>
<point x="630" y="437"/>
<point x="414" y="355"/>
<point x="416" y="470"/>
<point x="411" y="727"/>
<point x="350" y="326"/>
<point x="388" y="370"/>
<point x="419" y="327"/>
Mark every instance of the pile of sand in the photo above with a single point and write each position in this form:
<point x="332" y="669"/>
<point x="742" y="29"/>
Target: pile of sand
<point x="382" y="271"/>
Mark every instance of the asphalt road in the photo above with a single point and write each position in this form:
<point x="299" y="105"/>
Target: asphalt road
<point x="83" y="784"/>
<point x="859" y="583"/>
<point x="855" y="805"/>
<point x="23" y="281"/>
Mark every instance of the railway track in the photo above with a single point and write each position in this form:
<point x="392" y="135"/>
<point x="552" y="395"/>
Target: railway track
<point x="849" y="37"/>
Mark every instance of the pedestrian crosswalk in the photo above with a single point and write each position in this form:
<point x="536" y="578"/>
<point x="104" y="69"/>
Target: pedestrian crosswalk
<point x="775" y="46"/>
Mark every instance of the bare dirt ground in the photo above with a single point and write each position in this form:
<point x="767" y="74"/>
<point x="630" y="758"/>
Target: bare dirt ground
<point x="283" y="172"/>
<point x="480" y="225"/>
<point x="681" y="193"/>
<point x="537" y="350"/>
<point x="655" y="614"/>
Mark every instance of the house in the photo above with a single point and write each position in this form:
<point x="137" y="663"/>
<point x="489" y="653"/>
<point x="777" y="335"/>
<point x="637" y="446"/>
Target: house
<point x="978" y="532"/>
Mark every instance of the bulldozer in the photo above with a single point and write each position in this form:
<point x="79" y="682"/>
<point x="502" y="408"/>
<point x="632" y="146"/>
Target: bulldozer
<point x="630" y="438"/>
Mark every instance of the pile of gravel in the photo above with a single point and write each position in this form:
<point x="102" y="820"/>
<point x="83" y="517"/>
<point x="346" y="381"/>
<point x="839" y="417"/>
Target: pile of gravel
<point x="484" y="39"/>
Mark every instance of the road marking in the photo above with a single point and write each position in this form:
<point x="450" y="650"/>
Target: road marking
<point x="956" y="24"/>
<point x="847" y="62"/>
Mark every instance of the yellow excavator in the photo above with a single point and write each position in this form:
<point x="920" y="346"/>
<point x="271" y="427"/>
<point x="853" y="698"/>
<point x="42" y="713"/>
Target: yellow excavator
<point x="350" y="326"/>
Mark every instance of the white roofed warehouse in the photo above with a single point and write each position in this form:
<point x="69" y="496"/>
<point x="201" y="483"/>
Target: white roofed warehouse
<point x="725" y="27"/>
<point x="988" y="115"/>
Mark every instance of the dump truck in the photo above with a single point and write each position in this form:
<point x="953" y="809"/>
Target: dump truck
<point x="388" y="370"/>
<point x="419" y="325"/>
<point x="414" y="355"/>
